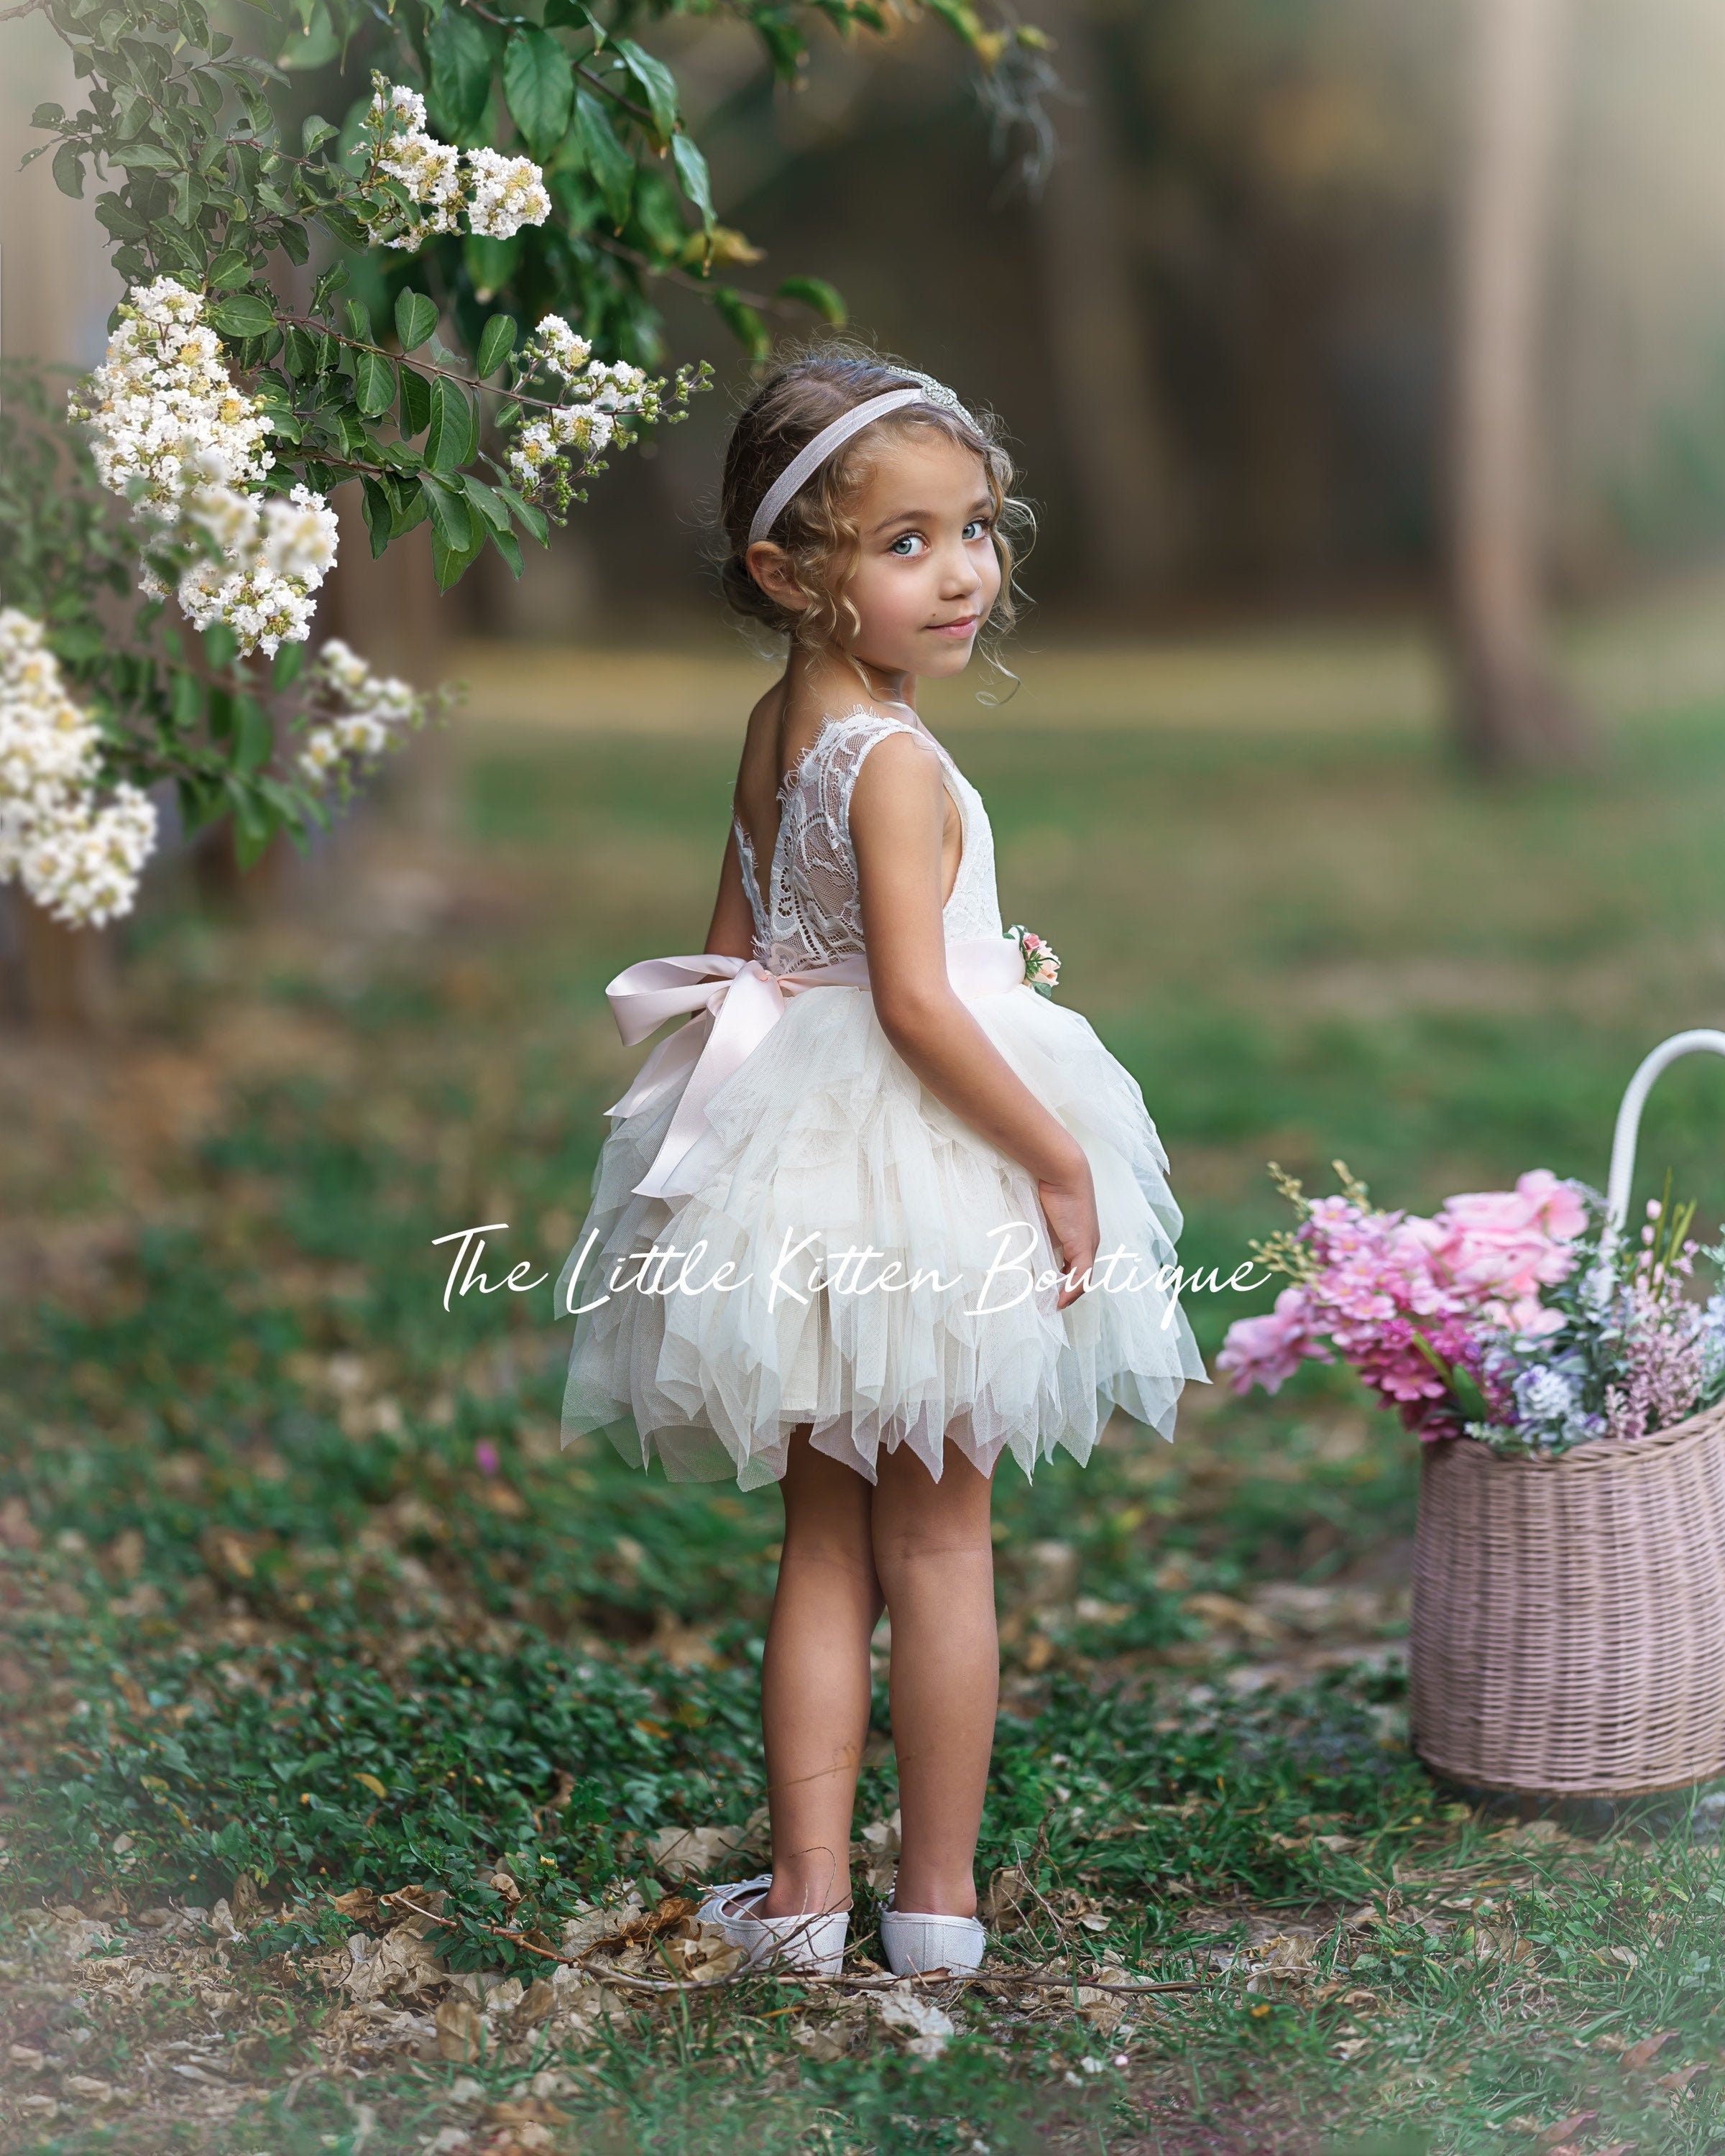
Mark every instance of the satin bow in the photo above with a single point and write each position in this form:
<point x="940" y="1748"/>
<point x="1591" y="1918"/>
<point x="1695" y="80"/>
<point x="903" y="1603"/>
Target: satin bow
<point x="737" y="1002"/>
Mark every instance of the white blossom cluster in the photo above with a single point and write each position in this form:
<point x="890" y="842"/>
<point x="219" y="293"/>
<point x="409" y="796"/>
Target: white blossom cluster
<point x="77" y="860"/>
<point x="272" y="557"/>
<point x="374" y="712"/>
<point x="170" y="430"/>
<point x="499" y="194"/>
<point x="604" y="390"/>
<point x="507" y="193"/>
<point x="162" y="410"/>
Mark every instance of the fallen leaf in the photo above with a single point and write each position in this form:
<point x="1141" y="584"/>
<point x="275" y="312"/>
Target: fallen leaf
<point x="1677" y="2082"/>
<point x="461" y="2030"/>
<point x="1566" y="2129"/>
<point x="1637" y="2056"/>
<point x="693" y="1852"/>
<point x="929" y="2028"/>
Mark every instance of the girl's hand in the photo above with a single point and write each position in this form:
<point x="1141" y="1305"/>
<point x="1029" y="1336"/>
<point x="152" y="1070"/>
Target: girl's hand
<point x="1069" y="1205"/>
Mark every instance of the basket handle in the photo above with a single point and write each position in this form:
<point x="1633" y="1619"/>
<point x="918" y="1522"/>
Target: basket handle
<point x="1628" y="1123"/>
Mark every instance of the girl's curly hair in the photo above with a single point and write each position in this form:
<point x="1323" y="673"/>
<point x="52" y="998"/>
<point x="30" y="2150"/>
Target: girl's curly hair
<point x="816" y="527"/>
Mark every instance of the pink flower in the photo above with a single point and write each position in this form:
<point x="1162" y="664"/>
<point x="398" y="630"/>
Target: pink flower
<point x="485" y="1453"/>
<point x="1408" y="1301"/>
<point x="1496" y="1249"/>
<point x="1267" y="1351"/>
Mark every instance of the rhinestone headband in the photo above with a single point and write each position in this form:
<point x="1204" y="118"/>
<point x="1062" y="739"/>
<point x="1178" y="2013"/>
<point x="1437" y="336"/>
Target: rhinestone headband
<point x="923" y="389"/>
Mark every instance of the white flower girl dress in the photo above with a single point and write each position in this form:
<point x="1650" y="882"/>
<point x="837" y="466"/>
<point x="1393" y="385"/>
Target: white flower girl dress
<point x="820" y="1240"/>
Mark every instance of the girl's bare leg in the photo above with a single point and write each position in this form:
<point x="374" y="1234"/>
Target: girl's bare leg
<point x="935" y="1560"/>
<point x="814" y="1681"/>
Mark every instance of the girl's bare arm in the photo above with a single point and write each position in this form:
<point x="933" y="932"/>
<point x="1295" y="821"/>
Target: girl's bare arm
<point x="731" y="933"/>
<point x="896" y="811"/>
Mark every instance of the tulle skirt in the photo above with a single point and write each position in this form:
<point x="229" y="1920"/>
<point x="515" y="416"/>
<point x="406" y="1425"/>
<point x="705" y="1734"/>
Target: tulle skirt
<point x="853" y="1256"/>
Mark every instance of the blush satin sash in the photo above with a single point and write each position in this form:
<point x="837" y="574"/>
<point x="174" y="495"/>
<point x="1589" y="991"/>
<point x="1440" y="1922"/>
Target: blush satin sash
<point x="737" y="1002"/>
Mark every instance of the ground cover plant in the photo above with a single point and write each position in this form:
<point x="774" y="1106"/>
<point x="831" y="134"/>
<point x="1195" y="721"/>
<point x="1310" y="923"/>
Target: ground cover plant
<point x="363" y="1745"/>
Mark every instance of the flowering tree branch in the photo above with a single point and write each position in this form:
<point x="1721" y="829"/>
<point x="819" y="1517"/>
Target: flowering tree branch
<point x="513" y="182"/>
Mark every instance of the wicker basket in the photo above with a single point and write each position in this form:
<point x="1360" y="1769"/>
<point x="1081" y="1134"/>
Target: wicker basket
<point x="1568" y="1624"/>
<point x="1568" y="1635"/>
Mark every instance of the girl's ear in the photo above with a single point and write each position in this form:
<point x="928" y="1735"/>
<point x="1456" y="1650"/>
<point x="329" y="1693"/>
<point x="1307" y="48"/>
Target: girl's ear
<point x="770" y="567"/>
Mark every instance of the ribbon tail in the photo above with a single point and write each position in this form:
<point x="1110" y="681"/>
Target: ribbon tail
<point x="752" y="1005"/>
<point x="680" y="1052"/>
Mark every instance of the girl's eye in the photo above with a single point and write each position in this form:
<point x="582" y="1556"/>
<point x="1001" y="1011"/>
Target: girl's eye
<point x="978" y="527"/>
<point x="907" y="544"/>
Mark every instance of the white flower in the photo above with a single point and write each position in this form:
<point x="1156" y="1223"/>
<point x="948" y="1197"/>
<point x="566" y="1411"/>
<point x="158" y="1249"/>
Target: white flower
<point x="397" y="106"/>
<point x="431" y="172"/>
<point x="506" y="193"/>
<point x="77" y="858"/>
<point x="170" y="430"/>
<point x="300" y="536"/>
<point x="559" y="348"/>
<point x="615" y="386"/>
<point x="372" y="711"/>
<point x="162" y="411"/>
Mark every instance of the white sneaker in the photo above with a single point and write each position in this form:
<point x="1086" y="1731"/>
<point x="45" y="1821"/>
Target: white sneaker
<point x="814" y="1942"/>
<point x="914" y="1944"/>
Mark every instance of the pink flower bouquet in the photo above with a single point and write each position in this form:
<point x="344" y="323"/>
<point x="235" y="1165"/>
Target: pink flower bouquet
<point x="1502" y="1317"/>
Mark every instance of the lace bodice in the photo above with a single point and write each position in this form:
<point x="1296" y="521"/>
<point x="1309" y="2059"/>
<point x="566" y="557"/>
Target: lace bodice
<point x="810" y="912"/>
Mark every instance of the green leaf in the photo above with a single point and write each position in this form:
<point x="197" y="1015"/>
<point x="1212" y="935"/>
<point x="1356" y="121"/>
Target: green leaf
<point x="47" y="116"/>
<point x="449" y="443"/>
<point x="528" y="514"/>
<point x="415" y="319"/>
<point x="314" y="131"/>
<point x="243" y="314"/>
<point x="510" y="547"/>
<point x="255" y="741"/>
<point x="69" y="171"/>
<point x="315" y="46"/>
<point x="744" y="324"/>
<point x="538" y="88"/>
<point x="815" y="292"/>
<point x="486" y="501"/>
<point x="289" y="663"/>
<point x="691" y="171"/>
<point x="221" y="648"/>
<point x="461" y="72"/>
<point x="451" y="564"/>
<point x="491" y="262"/>
<point x="415" y="401"/>
<point x="657" y="80"/>
<point x="358" y="318"/>
<point x="229" y="268"/>
<point x="380" y="515"/>
<point x="496" y="342"/>
<point x="612" y="166"/>
<point x="451" y="521"/>
<point x="185" y="699"/>
<point x="373" y="383"/>
<point x="414" y="508"/>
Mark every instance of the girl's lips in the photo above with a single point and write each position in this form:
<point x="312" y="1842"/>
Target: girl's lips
<point x="962" y="628"/>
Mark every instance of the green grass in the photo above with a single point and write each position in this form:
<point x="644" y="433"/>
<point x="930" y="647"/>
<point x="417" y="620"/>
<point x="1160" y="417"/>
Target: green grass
<point x="270" y="1619"/>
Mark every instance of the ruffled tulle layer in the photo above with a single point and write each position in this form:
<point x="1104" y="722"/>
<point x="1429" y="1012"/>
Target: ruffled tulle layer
<point x="855" y="1257"/>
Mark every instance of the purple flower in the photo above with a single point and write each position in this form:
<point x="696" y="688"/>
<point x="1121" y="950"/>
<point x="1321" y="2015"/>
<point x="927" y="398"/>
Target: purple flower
<point x="485" y="1453"/>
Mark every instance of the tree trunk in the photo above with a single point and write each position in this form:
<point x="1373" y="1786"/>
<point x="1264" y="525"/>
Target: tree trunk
<point x="62" y="980"/>
<point x="1105" y="377"/>
<point x="1511" y="710"/>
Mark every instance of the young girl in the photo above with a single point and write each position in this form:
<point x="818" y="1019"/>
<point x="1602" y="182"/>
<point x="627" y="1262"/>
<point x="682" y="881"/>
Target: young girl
<point x="880" y="1213"/>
